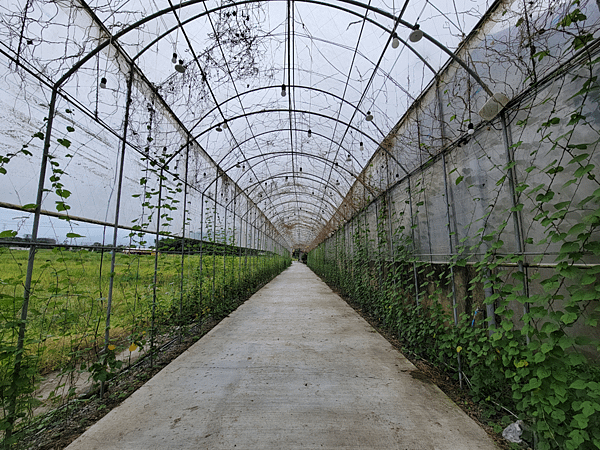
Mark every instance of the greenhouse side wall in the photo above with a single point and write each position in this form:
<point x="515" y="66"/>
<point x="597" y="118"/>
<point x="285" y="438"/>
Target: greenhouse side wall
<point x="481" y="251"/>
<point x="140" y="240"/>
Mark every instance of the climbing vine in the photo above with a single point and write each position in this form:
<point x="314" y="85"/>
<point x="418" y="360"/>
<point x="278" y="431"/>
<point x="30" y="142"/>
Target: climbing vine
<point x="534" y="357"/>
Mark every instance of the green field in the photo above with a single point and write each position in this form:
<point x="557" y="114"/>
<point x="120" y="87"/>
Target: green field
<point x="69" y="299"/>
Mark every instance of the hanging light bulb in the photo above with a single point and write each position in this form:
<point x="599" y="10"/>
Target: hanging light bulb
<point x="219" y="129"/>
<point x="349" y="158"/>
<point x="180" y="67"/>
<point x="416" y="35"/>
<point x="283" y="90"/>
<point x="395" y="41"/>
<point x="309" y="132"/>
<point x="225" y="125"/>
<point x="103" y="83"/>
<point x="369" y="116"/>
<point x="300" y="169"/>
<point x="174" y="58"/>
<point x="362" y="146"/>
<point x="470" y="129"/>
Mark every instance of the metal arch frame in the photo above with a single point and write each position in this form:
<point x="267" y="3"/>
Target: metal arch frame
<point x="273" y="155"/>
<point x="303" y="112"/>
<point x="182" y="5"/>
<point x="305" y="226"/>
<point x="303" y="176"/>
<point x="309" y="213"/>
<point x="199" y="16"/>
<point x="173" y="8"/>
<point x="226" y="205"/>
<point x="263" y="111"/>
<point x="260" y="88"/>
<point x="281" y="175"/>
<point x="312" y="177"/>
<point x="137" y="24"/>
<point x="303" y="202"/>
<point x="283" y="130"/>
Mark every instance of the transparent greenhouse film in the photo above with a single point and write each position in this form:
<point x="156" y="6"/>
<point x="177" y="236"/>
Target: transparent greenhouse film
<point x="502" y="211"/>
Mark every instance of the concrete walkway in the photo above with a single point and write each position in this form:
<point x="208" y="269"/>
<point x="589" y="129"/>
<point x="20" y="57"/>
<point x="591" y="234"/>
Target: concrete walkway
<point x="294" y="367"/>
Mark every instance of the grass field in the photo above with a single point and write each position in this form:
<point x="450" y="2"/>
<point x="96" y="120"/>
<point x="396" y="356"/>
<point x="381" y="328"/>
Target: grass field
<point x="69" y="299"/>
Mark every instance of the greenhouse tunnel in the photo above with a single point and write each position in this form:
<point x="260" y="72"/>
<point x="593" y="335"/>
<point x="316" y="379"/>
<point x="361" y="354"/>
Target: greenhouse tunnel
<point x="435" y="161"/>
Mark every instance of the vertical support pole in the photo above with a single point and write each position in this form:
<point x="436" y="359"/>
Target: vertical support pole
<point x="414" y="242"/>
<point x="113" y="252"/>
<point x="234" y="243"/>
<point x="451" y="248"/>
<point x="240" y="254"/>
<point x="517" y="222"/>
<point x="391" y="265"/>
<point x="201" y="262"/>
<point x="185" y="207"/>
<point x="225" y="283"/>
<point x="155" y="280"/>
<point x="214" y="237"/>
<point x="368" y="267"/>
<point x="378" y="245"/>
<point x="449" y="227"/>
<point x="13" y="396"/>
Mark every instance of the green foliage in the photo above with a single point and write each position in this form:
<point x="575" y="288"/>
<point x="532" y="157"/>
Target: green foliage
<point x="65" y="326"/>
<point x="539" y="360"/>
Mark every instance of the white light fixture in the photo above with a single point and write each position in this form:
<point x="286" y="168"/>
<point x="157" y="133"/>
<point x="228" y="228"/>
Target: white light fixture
<point x="395" y="41"/>
<point x="283" y="90"/>
<point x="309" y="132"/>
<point x="470" y="129"/>
<point x="180" y="67"/>
<point x="174" y="58"/>
<point x="225" y="126"/>
<point x="493" y="106"/>
<point x="103" y="83"/>
<point x="369" y="116"/>
<point x="362" y="146"/>
<point x="416" y="35"/>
